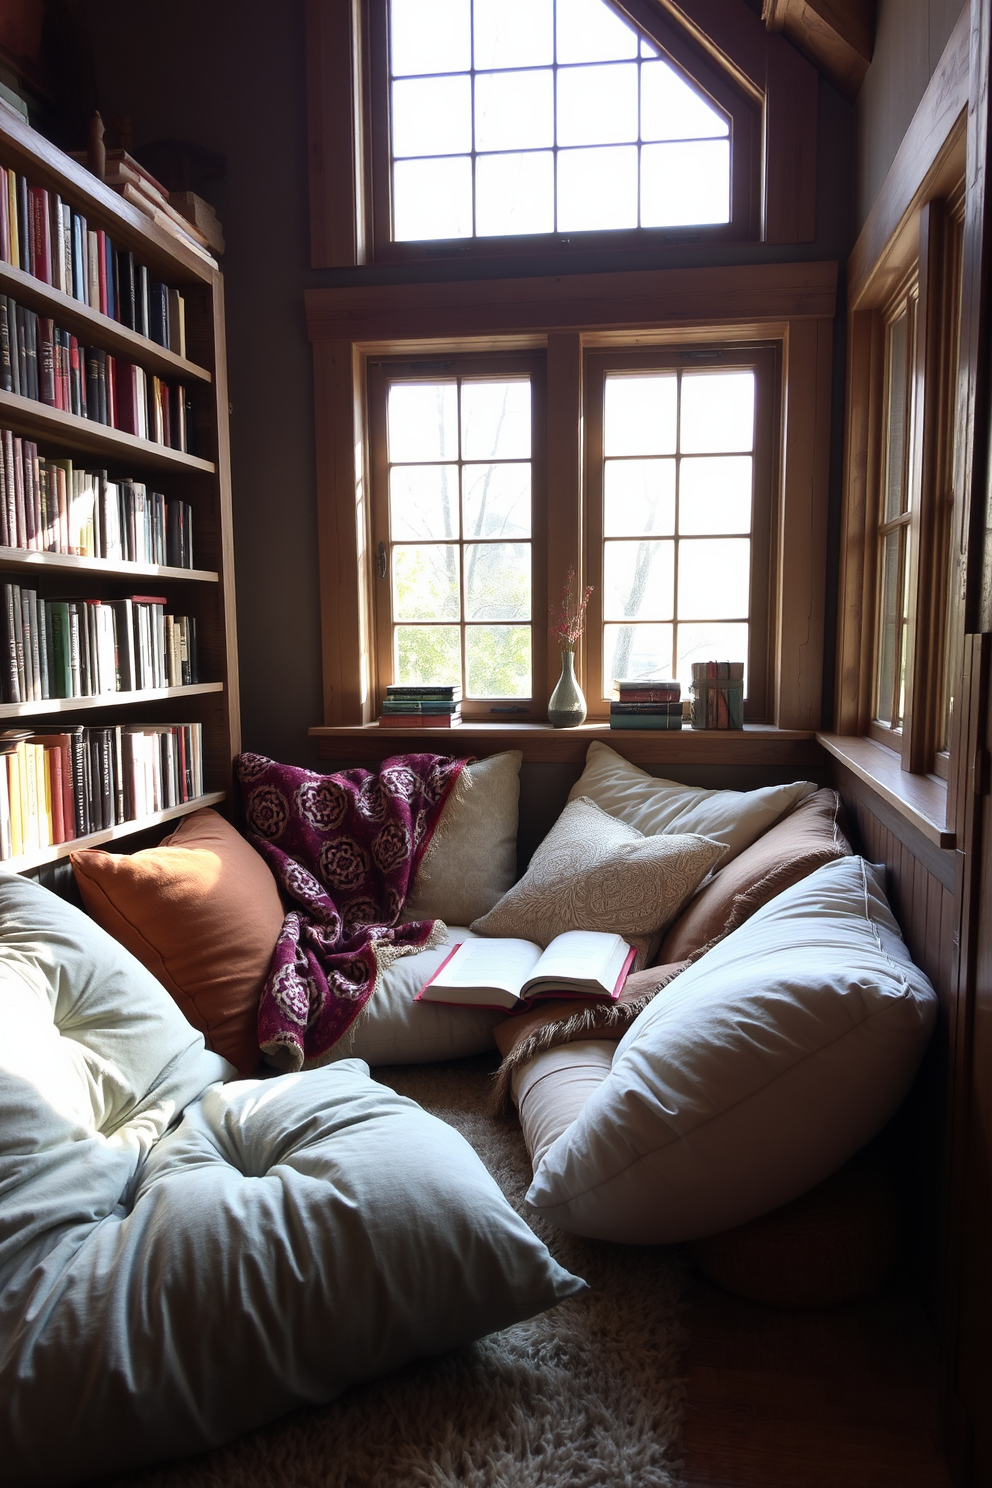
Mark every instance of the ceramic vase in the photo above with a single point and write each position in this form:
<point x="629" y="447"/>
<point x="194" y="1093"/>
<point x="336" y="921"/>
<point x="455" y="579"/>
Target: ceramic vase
<point x="567" y="706"/>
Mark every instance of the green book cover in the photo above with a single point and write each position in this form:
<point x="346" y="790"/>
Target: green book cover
<point x="59" y="667"/>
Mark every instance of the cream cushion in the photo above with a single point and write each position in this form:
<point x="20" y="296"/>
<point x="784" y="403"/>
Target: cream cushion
<point x="551" y="1089"/>
<point x="735" y="818"/>
<point x="752" y="1075"/>
<point x="471" y="860"/>
<point x="393" y="1028"/>
<point x="594" y="872"/>
<point x="182" y="1260"/>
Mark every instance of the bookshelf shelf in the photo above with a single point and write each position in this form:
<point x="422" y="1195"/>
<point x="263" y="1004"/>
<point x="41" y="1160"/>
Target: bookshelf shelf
<point x="106" y="700"/>
<point x="90" y="327"/>
<point x="69" y="431"/>
<point x="38" y="579"/>
<point x="24" y="560"/>
<point x="27" y="861"/>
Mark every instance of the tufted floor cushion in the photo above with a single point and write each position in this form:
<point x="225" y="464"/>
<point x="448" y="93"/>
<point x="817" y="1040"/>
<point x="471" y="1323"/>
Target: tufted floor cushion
<point x="166" y="1286"/>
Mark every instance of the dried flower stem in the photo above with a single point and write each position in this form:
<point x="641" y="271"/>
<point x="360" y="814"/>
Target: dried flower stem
<point x="569" y="618"/>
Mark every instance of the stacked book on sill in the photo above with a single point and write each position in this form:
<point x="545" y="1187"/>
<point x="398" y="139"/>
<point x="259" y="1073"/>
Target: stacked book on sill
<point x="49" y="505"/>
<point x="68" y="648"/>
<point x="718" y="694"/>
<point x="646" y="703"/>
<point x="42" y="235"/>
<point x="58" y="786"/>
<point x="421" y="707"/>
<point x="41" y="361"/>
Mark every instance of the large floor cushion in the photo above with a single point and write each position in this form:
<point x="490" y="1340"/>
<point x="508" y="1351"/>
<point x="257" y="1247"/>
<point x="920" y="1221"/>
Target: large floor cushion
<point x="752" y="1075"/>
<point x="161" y="1293"/>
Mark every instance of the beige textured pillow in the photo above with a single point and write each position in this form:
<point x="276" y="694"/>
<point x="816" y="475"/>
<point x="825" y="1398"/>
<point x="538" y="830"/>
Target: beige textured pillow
<point x="472" y="858"/>
<point x="594" y="872"/>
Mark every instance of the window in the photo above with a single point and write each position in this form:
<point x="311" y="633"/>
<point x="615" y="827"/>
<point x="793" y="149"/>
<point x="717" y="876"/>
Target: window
<point x="545" y="116"/>
<point x="895" y="513"/>
<point x="679" y="484"/>
<point x="454" y="455"/>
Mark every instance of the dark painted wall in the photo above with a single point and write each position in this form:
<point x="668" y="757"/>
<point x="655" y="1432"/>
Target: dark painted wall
<point x="229" y="74"/>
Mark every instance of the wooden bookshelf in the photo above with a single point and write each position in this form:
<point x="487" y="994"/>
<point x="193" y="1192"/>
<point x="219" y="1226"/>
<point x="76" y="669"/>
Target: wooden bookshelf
<point x="201" y="478"/>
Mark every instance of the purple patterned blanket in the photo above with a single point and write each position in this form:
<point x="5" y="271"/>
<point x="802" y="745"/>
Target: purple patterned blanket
<point x="344" y="849"/>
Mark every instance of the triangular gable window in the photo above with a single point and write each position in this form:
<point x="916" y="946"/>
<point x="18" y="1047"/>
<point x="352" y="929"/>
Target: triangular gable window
<point x="518" y="118"/>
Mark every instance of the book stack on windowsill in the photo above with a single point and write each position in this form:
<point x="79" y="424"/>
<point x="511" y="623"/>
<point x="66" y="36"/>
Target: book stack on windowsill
<point x="718" y="694"/>
<point x="646" y="703"/>
<point x="421" y="707"/>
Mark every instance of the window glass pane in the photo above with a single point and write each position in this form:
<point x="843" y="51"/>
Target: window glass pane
<point x="715" y="494"/>
<point x="513" y="33"/>
<point x="496" y="420"/>
<point x="422" y="421"/>
<point x="597" y="189"/>
<point x="515" y="193"/>
<point x="591" y="31"/>
<point x="717" y="411"/>
<point x="638" y="580"/>
<point x="888" y="627"/>
<point x="685" y="183"/>
<point x="647" y="49"/>
<point x="430" y="36"/>
<point x="513" y="111"/>
<point x="895" y="441"/>
<point x="635" y="651"/>
<point x="423" y="501"/>
<point x="425" y="582"/>
<point x="432" y="116"/>
<point x="671" y="110"/>
<point x="709" y="642"/>
<point x="639" y="498"/>
<point x="497" y="661"/>
<point x="714" y="578"/>
<point x="497" y="581"/>
<point x="597" y="105"/>
<point x="427" y="653"/>
<point x="432" y="199"/>
<point x="496" y="500"/>
<point x="639" y="417"/>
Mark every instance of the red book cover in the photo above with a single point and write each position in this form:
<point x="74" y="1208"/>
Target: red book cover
<point x="32" y="472"/>
<point x="63" y="802"/>
<point x="19" y="493"/>
<point x="112" y="391"/>
<point x="101" y="259"/>
<point x="163" y="393"/>
<point x="41" y="233"/>
<point x="77" y="381"/>
<point x="126" y="413"/>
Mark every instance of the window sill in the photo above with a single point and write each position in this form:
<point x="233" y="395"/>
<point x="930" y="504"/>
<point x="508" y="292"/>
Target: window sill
<point x="919" y="799"/>
<point x="755" y="744"/>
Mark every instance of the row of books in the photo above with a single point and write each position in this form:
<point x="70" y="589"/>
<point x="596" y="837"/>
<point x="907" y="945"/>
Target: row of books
<point x="66" y="648"/>
<point x="63" y="785"/>
<point x="408" y="706"/>
<point x="41" y="361"/>
<point x="41" y="234"/>
<point x="646" y="703"/>
<point x="49" y="505"/>
<point x="718" y="694"/>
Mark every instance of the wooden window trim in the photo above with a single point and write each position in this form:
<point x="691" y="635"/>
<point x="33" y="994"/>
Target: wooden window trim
<point x="764" y="67"/>
<point x="789" y="304"/>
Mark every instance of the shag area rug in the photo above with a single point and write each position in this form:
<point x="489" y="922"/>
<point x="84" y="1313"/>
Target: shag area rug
<point x="587" y="1395"/>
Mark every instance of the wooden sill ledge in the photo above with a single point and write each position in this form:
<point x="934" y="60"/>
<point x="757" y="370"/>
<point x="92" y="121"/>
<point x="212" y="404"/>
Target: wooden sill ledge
<point x="919" y="799"/>
<point x="755" y="744"/>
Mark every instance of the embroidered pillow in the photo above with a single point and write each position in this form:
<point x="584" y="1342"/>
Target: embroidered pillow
<point x="594" y="872"/>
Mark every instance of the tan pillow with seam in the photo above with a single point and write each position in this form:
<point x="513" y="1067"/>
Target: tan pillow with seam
<point x="594" y="872"/>
<point x="471" y="860"/>
<point x="202" y="912"/>
<point x="811" y="835"/>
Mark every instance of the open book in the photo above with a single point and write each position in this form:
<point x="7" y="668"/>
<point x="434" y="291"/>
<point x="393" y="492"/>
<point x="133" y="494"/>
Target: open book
<point x="508" y="973"/>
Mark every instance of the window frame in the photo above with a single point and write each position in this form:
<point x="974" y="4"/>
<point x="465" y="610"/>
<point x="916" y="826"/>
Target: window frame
<point x="764" y="358"/>
<point x="382" y="373"/>
<point x="735" y="47"/>
<point x="745" y="164"/>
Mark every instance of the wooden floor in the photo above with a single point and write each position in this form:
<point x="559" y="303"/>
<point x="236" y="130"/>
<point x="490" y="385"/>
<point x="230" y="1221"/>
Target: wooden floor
<point x="844" y="1398"/>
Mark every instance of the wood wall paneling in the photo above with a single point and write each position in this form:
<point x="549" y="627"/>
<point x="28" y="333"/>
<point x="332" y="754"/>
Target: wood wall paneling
<point x="837" y="35"/>
<point x="335" y="133"/>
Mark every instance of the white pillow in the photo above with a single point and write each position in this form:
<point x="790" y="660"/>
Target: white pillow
<point x="653" y="806"/>
<point x="472" y="857"/>
<point x="753" y="1075"/>
<point x="394" y="1029"/>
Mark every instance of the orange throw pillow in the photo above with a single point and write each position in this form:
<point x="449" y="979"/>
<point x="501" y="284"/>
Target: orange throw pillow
<point x="202" y="912"/>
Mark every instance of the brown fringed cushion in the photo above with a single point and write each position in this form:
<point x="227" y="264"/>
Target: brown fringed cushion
<point x="811" y="835"/>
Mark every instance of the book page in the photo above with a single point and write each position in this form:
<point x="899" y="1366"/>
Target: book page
<point x="584" y="955"/>
<point x="502" y="963"/>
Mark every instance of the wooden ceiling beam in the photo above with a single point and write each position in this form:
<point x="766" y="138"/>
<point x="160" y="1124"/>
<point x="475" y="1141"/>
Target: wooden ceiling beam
<point x="836" y="35"/>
